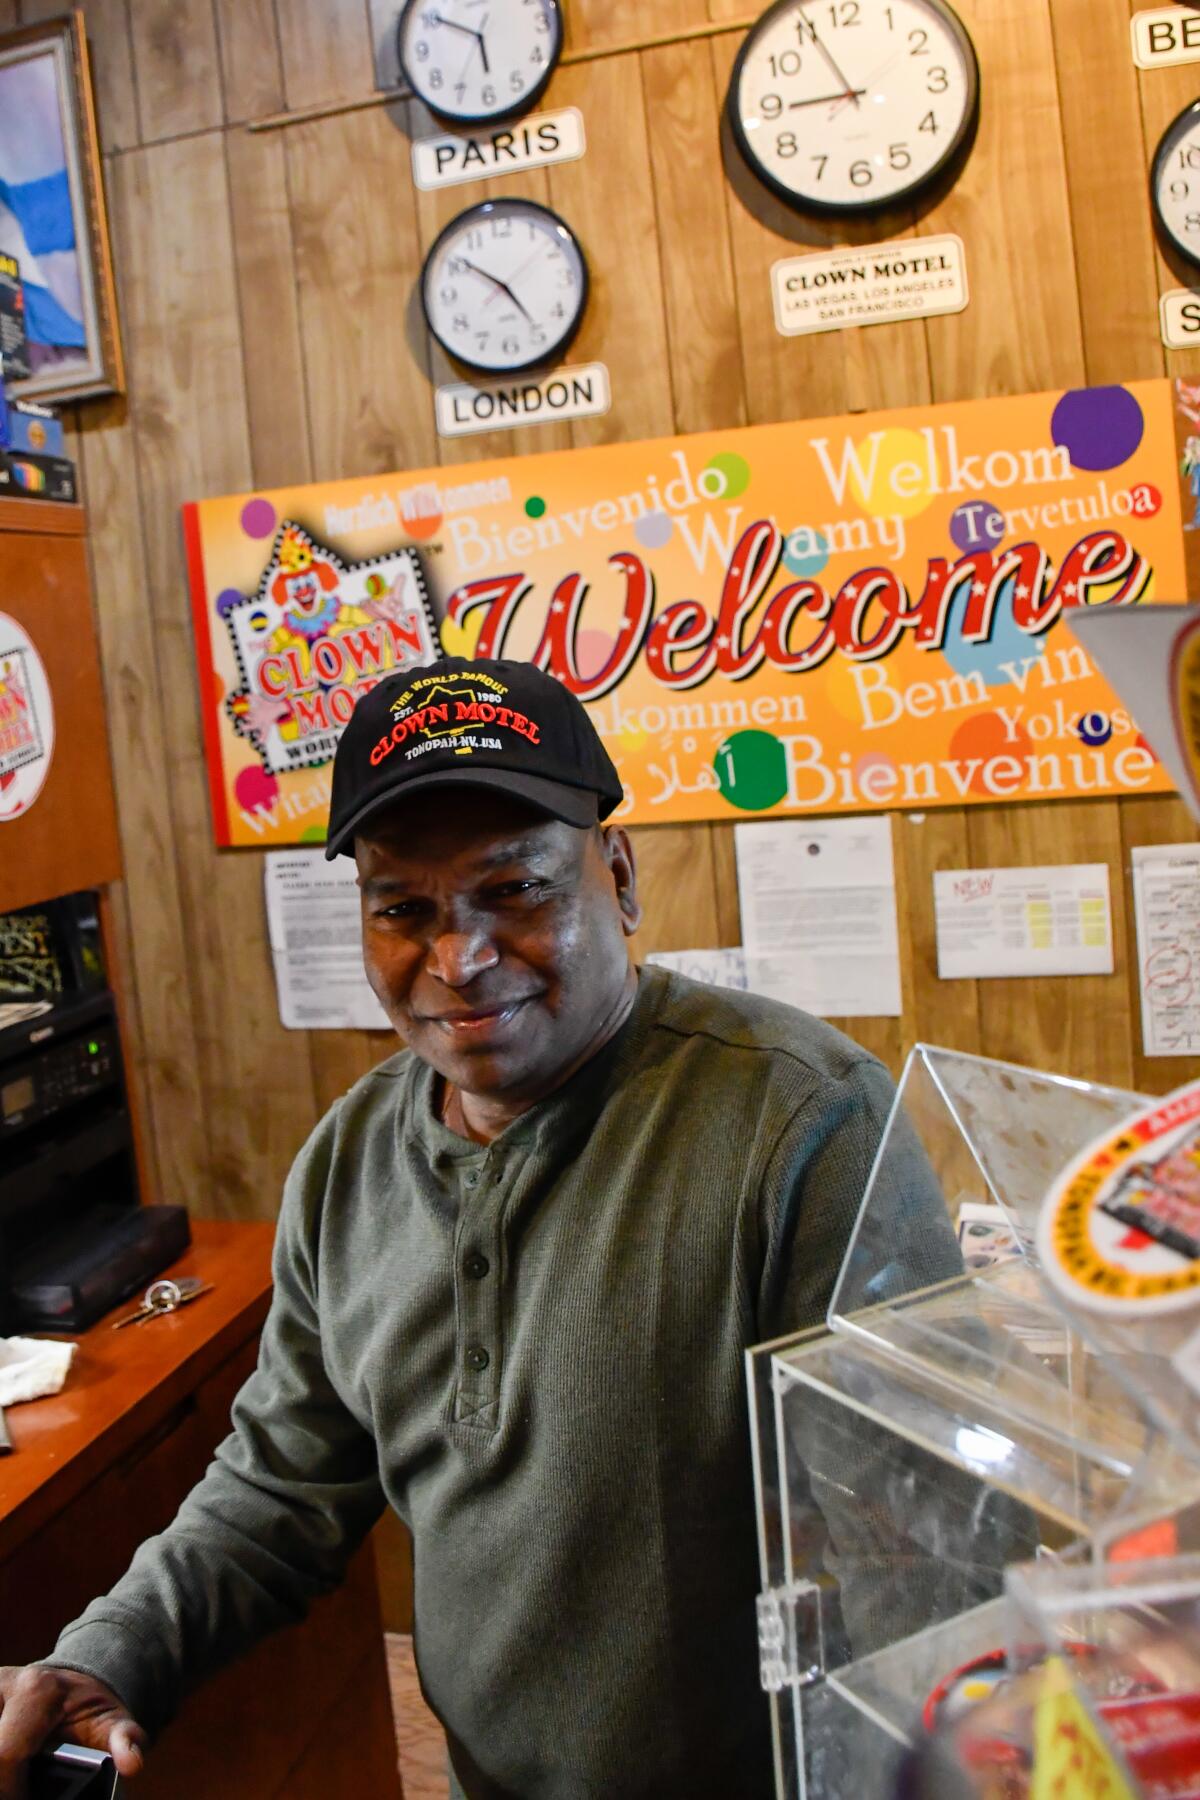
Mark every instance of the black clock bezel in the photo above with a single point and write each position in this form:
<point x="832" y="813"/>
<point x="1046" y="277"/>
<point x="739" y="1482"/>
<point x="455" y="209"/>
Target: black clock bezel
<point x="1166" y="144"/>
<point x="484" y="209"/>
<point x="501" y="113"/>
<point x="856" y="209"/>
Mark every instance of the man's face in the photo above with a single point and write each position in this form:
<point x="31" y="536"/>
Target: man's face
<point x="495" y="938"/>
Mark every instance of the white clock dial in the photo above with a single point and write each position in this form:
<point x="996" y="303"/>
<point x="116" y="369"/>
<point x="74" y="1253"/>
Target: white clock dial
<point x="847" y="105"/>
<point x="477" y="60"/>
<point x="1175" y="182"/>
<point x="504" y="286"/>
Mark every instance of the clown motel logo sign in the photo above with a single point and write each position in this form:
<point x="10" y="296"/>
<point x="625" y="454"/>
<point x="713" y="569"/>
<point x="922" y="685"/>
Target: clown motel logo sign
<point x="832" y="615"/>
<point x="912" y="278"/>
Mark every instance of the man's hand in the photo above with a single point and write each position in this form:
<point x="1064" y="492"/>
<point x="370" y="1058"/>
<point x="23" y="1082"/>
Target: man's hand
<point x="49" y="1705"/>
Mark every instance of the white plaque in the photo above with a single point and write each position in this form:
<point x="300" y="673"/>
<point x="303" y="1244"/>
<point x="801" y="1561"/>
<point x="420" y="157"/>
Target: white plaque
<point x="1179" y="318"/>
<point x="876" y="284"/>
<point x="1164" y="35"/>
<point x="530" y="143"/>
<point x="504" y="405"/>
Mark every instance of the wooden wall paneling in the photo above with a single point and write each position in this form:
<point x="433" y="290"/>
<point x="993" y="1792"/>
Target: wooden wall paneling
<point x="9" y="14"/>
<point x="1153" y="819"/>
<point x="251" y="66"/>
<point x="592" y="23"/>
<point x="265" y="261"/>
<point x="152" y="932"/>
<point x="110" y="52"/>
<point x="188" y="410"/>
<point x="607" y="198"/>
<point x="1021" y="331"/>
<point x="1112" y="238"/>
<point x="357" y="260"/>
<point x="326" y="48"/>
<point x="176" y="67"/>
<point x="695" y="257"/>
<point x="935" y="1011"/>
<point x="677" y="889"/>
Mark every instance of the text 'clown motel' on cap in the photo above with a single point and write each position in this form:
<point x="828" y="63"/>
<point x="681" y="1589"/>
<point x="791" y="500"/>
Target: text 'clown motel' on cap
<point x="454" y="723"/>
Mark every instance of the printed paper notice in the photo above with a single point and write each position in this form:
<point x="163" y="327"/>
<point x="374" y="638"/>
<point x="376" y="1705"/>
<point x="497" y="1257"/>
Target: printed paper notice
<point x="316" y="943"/>
<point x="819" y="915"/>
<point x="1166" y="903"/>
<point x="875" y="284"/>
<point x="998" y="922"/>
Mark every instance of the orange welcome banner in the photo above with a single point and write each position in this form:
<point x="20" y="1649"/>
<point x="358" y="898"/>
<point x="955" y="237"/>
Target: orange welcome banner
<point x="825" y="616"/>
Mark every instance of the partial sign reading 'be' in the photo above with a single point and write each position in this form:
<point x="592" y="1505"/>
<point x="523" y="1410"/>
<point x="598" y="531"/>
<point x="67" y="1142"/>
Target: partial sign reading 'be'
<point x="1165" y="35"/>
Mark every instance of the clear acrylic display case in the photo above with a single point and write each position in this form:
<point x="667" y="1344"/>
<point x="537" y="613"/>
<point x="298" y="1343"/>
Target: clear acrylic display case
<point x="954" y="1419"/>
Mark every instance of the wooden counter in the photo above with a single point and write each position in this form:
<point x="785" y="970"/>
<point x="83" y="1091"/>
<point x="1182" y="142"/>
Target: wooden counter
<point x="100" y="1467"/>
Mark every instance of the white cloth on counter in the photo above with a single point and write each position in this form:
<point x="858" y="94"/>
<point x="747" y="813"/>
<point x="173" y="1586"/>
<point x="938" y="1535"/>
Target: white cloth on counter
<point x="31" y="1368"/>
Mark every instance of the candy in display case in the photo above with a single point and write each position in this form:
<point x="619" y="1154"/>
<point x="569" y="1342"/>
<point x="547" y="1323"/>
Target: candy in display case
<point x="954" y="1419"/>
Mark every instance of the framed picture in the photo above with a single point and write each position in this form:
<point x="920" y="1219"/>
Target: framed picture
<point x="52" y="215"/>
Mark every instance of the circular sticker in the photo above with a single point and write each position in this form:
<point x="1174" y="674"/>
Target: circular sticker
<point x="26" y="721"/>
<point x="1119" y="1232"/>
<point x="1185" y="703"/>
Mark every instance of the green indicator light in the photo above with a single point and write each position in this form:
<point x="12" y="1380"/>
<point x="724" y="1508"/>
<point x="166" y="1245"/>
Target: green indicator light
<point x="93" y="1049"/>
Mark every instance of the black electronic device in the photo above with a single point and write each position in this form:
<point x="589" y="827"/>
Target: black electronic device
<point x="73" y="1772"/>
<point x="74" y="1240"/>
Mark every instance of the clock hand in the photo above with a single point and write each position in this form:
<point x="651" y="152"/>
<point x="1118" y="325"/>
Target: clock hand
<point x="454" y="25"/>
<point x="824" y="99"/>
<point x="849" y="92"/>
<point x="487" y="68"/>
<point x="875" y="75"/>
<point x="502" y="285"/>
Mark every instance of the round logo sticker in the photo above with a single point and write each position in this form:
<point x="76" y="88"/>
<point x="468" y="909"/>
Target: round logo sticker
<point x="26" y="721"/>
<point x="1119" y="1232"/>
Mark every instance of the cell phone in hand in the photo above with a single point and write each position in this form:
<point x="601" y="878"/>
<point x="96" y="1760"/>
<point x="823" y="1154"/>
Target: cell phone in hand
<point x="73" y="1773"/>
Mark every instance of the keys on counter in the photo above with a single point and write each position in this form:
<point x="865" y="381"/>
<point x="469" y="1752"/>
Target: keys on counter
<point x="165" y="1297"/>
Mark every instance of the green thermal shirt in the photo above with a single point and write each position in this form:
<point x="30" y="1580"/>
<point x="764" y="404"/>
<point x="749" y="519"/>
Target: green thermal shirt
<point x="533" y="1351"/>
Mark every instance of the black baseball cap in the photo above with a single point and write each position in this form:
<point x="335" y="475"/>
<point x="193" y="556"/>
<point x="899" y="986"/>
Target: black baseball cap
<point x="455" y="723"/>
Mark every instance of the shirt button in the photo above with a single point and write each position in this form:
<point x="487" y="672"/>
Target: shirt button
<point x="476" y="1266"/>
<point x="471" y="1178"/>
<point x="477" y="1357"/>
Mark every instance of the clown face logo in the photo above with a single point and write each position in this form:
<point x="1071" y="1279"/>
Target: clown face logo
<point x="317" y="635"/>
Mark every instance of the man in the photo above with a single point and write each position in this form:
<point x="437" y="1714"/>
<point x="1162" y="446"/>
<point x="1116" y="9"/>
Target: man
<point x="516" y="1269"/>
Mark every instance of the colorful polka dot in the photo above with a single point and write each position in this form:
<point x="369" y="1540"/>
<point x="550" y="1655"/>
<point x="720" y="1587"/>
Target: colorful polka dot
<point x="653" y="530"/>
<point x="313" y="834"/>
<point x="751" y="770"/>
<point x="535" y="506"/>
<point x="983" y="736"/>
<point x="226" y="600"/>
<point x="976" y="525"/>
<point x="1099" y="428"/>
<point x="254" y="787"/>
<point x="724" y="476"/>
<point x="805" y="551"/>
<point x="259" y="518"/>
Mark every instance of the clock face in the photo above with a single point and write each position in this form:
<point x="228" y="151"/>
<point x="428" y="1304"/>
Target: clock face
<point x="504" y="286"/>
<point x="849" y="105"/>
<point x="1175" y="182"/>
<point x="477" y="60"/>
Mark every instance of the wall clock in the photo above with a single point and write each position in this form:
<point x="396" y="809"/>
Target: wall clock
<point x="474" y="61"/>
<point x="504" y="286"/>
<point x="845" y="106"/>
<point x="1175" y="183"/>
